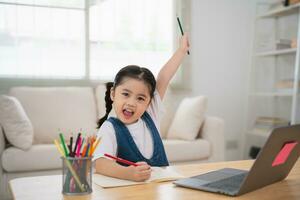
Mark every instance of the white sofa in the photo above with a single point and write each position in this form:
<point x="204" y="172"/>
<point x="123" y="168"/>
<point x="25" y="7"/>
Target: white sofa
<point x="74" y="109"/>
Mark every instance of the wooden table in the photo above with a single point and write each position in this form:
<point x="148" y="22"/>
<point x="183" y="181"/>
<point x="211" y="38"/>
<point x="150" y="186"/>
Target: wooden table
<point x="49" y="187"/>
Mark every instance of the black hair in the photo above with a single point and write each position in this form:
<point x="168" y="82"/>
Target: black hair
<point x="130" y="71"/>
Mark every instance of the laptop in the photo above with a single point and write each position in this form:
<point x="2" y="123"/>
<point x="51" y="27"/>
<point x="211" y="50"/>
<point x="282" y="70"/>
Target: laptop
<point x="273" y="164"/>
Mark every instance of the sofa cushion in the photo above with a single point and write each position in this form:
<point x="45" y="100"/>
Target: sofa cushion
<point x="38" y="157"/>
<point x="17" y="127"/>
<point x="170" y="102"/>
<point x="188" y="118"/>
<point x="58" y="109"/>
<point x="181" y="150"/>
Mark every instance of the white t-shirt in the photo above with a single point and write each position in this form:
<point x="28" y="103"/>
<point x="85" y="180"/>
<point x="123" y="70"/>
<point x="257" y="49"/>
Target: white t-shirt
<point x="138" y="130"/>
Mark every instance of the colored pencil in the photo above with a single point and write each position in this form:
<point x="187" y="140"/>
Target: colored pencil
<point x="70" y="167"/>
<point x="121" y="160"/>
<point x="62" y="140"/>
<point x="181" y="30"/>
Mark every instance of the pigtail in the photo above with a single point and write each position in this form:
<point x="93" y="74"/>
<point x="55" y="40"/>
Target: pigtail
<point x="108" y="103"/>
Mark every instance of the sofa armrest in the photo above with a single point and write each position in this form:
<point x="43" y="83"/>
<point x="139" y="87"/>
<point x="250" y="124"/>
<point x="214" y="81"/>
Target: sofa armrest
<point x="2" y="146"/>
<point x="2" y="141"/>
<point x="213" y="131"/>
<point x="3" y="180"/>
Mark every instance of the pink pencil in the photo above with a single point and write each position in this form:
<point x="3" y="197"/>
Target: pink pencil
<point x="78" y="147"/>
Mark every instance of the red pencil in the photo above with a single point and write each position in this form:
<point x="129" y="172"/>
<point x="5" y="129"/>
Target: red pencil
<point x="121" y="160"/>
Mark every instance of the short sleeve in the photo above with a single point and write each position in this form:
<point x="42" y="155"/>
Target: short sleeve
<point x="108" y="142"/>
<point x="156" y="109"/>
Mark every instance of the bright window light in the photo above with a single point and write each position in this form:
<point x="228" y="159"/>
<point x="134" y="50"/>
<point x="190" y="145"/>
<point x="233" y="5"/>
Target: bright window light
<point x="125" y="32"/>
<point x="41" y="42"/>
<point x="47" y="39"/>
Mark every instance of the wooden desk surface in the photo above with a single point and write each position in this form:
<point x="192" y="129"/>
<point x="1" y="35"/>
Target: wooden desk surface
<point x="49" y="187"/>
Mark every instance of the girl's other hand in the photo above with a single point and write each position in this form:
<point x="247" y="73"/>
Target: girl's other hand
<point x="184" y="43"/>
<point x="141" y="172"/>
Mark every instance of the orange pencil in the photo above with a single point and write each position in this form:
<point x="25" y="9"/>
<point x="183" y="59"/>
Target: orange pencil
<point x="84" y="149"/>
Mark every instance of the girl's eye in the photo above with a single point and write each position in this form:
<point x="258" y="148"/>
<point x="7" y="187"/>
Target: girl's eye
<point x="141" y="99"/>
<point x="125" y="94"/>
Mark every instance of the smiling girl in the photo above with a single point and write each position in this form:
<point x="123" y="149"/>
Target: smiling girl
<point x="133" y="134"/>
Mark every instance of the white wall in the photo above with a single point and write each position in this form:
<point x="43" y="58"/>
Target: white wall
<point x="221" y="46"/>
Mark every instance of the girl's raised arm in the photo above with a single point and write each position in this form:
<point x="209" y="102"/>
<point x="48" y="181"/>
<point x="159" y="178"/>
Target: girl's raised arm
<point x="169" y="69"/>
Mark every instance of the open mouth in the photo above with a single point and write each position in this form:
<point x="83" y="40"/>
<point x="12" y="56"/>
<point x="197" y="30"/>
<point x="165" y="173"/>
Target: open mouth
<point x="127" y="113"/>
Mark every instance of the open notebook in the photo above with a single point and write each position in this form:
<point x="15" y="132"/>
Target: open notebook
<point x="158" y="174"/>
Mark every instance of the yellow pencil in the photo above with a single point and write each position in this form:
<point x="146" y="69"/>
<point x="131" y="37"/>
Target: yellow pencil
<point x="95" y="145"/>
<point x="59" y="148"/>
<point x="69" y="166"/>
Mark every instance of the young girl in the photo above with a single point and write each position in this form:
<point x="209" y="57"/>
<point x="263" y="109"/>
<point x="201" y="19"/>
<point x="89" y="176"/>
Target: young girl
<point x="133" y="135"/>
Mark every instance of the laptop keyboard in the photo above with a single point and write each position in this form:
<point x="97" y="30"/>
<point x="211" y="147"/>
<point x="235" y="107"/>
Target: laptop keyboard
<point x="230" y="184"/>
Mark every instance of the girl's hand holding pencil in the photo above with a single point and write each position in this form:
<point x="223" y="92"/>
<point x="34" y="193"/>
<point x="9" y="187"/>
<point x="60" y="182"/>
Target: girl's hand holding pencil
<point x="184" y="40"/>
<point x="184" y="43"/>
<point x="141" y="172"/>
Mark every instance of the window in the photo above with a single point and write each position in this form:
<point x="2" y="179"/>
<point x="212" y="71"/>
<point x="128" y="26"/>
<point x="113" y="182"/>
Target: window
<point x="124" y="32"/>
<point x="39" y="40"/>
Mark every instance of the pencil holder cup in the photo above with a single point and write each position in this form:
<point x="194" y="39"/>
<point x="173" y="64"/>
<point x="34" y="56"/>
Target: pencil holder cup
<point x="76" y="175"/>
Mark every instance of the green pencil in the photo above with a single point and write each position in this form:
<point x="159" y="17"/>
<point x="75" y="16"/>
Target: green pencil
<point x="181" y="30"/>
<point x="62" y="140"/>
